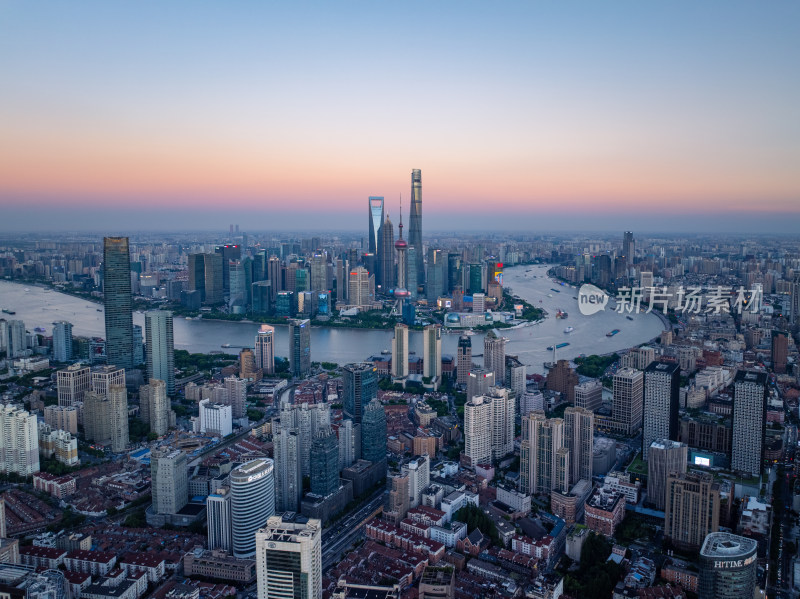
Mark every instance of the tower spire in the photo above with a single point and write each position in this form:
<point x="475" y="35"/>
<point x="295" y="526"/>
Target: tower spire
<point x="400" y="226"/>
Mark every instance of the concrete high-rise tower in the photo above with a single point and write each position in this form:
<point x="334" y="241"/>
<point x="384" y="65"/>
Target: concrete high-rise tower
<point x="252" y="503"/>
<point x="360" y="386"/>
<point x="749" y="422"/>
<point x="628" y="248"/>
<point x="432" y="351"/>
<point x="375" y="222"/>
<point x="218" y="510"/>
<point x="663" y="457"/>
<point x="118" y="301"/>
<point x="62" y="341"/>
<point x="400" y="351"/>
<point x="289" y="557"/>
<point x="325" y="463"/>
<point x="373" y="432"/>
<point x="118" y="405"/>
<point x="300" y="347"/>
<point x="288" y="471"/>
<point x="160" y="347"/>
<point x="386" y="276"/>
<point x="728" y="566"/>
<point x="494" y="357"/>
<point x="579" y="439"/>
<point x="170" y="480"/>
<point x="661" y="398"/>
<point x="19" y="441"/>
<point x="265" y="349"/>
<point x="464" y="360"/>
<point x="72" y="383"/>
<point x="415" y="223"/>
<point x="628" y="400"/>
<point x="154" y="406"/>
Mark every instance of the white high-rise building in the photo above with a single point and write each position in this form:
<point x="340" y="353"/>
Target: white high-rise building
<point x="400" y="351"/>
<point x="16" y="341"/>
<point x="579" y="439"/>
<point x="418" y="471"/>
<point x="589" y="395"/>
<point x="308" y="420"/>
<point x="628" y="400"/>
<point x="237" y="396"/>
<point x="432" y="351"/>
<point x="660" y="408"/>
<point x="160" y="347"/>
<point x="349" y="443"/>
<point x="104" y="377"/>
<point x="749" y="422"/>
<point x="118" y="411"/>
<point x="489" y="426"/>
<point x="215" y="418"/>
<point x="154" y="406"/>
<point x="288" y="470"/>
<point x="541" y="469"/>
<point x="73" y="382"/>
<point x="477" y="430"/>
<point x="494" y="356"/>
<point x="62" y="341"/>
<point x="265" y="349"/>
<point x="358" y="287"/>
<point x="516" y="376"/>
<point x="479" y="381"/>
<point x="289" y="558"/>
<point x="252" y="503"/>
<point x="19" y="441"/>
<point x="63" y="418"/>
<point x="169" y="476"/>
<point x="218" y="509"/>
<point x="502" y="422"/>
<point x="531" y="401"/>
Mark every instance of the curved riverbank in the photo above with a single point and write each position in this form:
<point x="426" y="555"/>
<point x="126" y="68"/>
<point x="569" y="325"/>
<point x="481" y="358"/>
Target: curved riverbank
<point x="40" y="307"/>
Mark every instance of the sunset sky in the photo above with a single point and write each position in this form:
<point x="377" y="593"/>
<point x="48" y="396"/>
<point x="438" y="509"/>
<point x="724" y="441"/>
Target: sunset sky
<point x="521" y="115"/>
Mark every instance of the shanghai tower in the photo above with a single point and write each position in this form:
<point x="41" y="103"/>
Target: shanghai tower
<point x="118" y="303"/>
<point x="415" y="224"/>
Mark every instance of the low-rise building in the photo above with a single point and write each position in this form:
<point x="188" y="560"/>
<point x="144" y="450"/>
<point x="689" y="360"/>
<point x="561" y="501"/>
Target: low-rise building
<point x="219" y="565"/>
<point x="148" y="563"/>
<point x="605" y="510"/>
<point x="96" y="563"/>
<point x="450" y="534"/>
<point x="42" y="557"/>
<point x="519" y="502"/>
<point x="57" y="486"/>
<point x="570" y="506"/>
<point x="621" y="482"/>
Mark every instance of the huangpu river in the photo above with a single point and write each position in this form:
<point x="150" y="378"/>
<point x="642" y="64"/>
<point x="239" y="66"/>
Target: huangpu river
<point x="40" y="307"/>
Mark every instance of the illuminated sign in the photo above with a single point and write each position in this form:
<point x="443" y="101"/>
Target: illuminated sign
<point x="701" y="461"/>
<point x="734" y="563"/>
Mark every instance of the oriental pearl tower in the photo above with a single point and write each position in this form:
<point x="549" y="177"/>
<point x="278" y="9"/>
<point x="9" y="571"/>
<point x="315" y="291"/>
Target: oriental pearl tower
<point x="400" y="292"/>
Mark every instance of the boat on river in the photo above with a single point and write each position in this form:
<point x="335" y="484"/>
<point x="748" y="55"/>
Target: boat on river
<point x="612" y="333"/>
<point x="559" y="346"/>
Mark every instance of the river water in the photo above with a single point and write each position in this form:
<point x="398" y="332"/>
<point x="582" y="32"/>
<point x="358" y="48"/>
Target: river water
<point x="39" y="307"/>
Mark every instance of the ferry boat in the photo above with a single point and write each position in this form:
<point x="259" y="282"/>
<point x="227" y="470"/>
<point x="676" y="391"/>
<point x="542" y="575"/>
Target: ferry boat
<point x="226" y="345"/>
<point x="556" y="290"/>
<point x="612" y="333"/>
<point x="569" y="329"/>
<point x="7" y="311"/>
<point x="561" y="314"/>
<point x="559" y="346"/>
